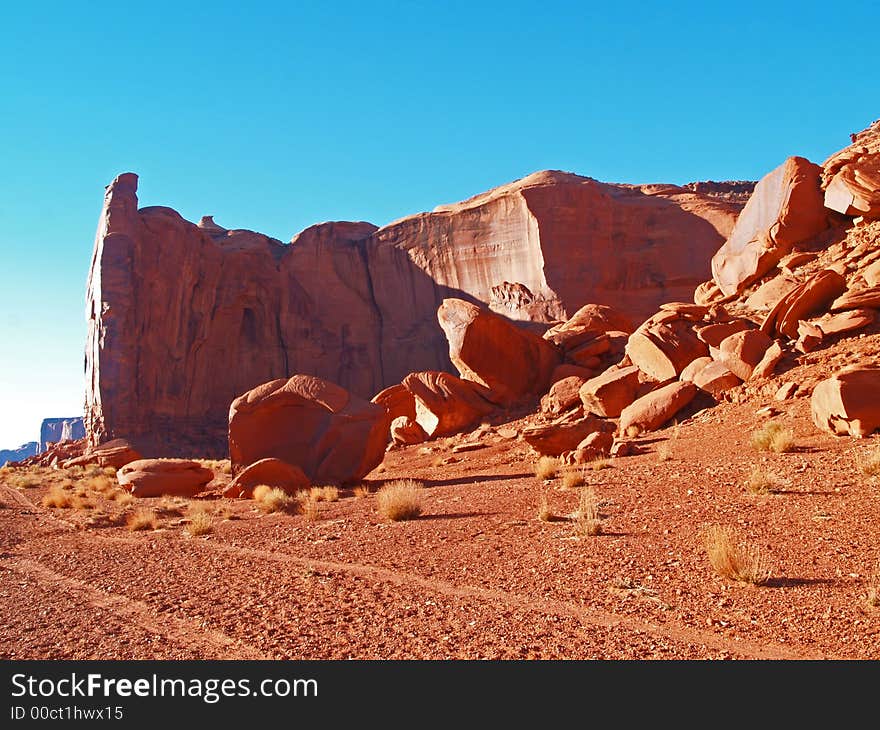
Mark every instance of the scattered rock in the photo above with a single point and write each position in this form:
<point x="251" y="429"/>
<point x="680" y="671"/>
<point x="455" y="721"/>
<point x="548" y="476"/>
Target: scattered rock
<point x="608" y="394"/>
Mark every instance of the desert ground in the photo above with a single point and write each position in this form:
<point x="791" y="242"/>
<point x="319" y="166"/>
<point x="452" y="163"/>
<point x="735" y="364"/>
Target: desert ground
<point x="496" y="566"/>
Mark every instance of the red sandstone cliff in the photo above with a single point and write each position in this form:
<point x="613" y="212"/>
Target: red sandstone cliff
<point x="183" y="318"/>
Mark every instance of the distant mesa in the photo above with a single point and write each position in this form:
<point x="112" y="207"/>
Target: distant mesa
<point x="22" y="452"/>
<point x="56" y="430"/>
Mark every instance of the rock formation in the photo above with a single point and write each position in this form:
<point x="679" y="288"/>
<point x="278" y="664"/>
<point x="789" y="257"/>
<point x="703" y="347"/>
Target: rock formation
<point x="183" y="318"/>
<point x="333" y="436"/>
<point x="56" y="430"/>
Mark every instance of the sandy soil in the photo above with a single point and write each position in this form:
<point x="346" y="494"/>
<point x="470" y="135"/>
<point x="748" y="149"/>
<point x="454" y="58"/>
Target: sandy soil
<point x="478" y="574"/>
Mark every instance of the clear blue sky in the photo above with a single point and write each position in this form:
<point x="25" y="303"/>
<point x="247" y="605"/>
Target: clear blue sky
<point x="275" y="116"/>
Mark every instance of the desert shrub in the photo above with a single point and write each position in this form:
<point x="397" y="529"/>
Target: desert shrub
<point x="142" y="519"/>
<point x="874" y="587"/>
<point x="545" y="514"/>
<point x="869" y="464"/>
<point x="733" y="558"/>
<point x="773" y="436"/>
<point x="599" y="463"/>
<point x="201" y="522"/>
<point x="324" y="494"/>
<point x="572" y="478"/>
<point x="273" y="499"/>
<point x="547" y="467"/>
<point x="362" y="490"/>
<point x="760" y="481"/>
<point x="100" y="483"/>
<point x="25" y="482"/>
<point x="57" y="497"/>
<point x="310" y="509"/>
<point x="587" y="520"/>
<point x="400" y="500"/>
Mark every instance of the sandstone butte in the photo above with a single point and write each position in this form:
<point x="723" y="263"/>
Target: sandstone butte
<point x="183" y="318"/>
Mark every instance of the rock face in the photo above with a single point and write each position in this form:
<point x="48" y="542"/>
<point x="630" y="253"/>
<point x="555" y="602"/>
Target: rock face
<point x="848" y="403"/>
<point x="55" y="430"/>
<point x="786" y="208"/>
<point x="22" y="452"/>
<point x="357" y="305"/>
<point x="851" y="177"/>
<point x="333" y="436"/>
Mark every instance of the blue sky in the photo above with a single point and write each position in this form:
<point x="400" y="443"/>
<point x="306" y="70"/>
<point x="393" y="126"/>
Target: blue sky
<point x="275" y="116"/>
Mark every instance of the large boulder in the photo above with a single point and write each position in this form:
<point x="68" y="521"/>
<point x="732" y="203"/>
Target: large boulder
<point x="563" y="394"/>
<point x="848" y="402"/>
<point x="333" y="436"/>
<point x="446" y="404"/>
<point x="586" y="323"/>
<point x="742" y="351"/>
<point x="271" y="472"/>
<point x="406" y="431"/>
<point x="513" y="363"/>
<point x="564" y="434"/>
<point x="397" y="400"/>
<point x="161" y="477"/>
<point x="609" y="393"/>
<point x="786" y="208"/>
<point x="653" y="410"/>
<point x="811" y="297"/>
<point x="662" y="349"/>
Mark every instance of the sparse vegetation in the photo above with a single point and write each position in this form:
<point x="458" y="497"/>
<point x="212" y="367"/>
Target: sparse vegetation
<point x="201" y="522"/>
<point x="362" y="490"/>
<point x="122" y="498"/>
<point x="102" y="484"/>
<point x="324" y="494"/>
<point x="869" y="464"/>
<point x="587" y="520"/>
<point x="773" y="436"/>
<point x="664" y="451"/>
<point x="572" y="478"/>
<point x="733" y="558"/>
<point x="57" y="497"/>
<point x="400" y="500"/>
<point x="25" y="482"/>
<point x="874" y="587"/>
<point x="599" y="463"/>
<point x="142" y="519"/>
<point x="310" y="509"/>
<point x="545" y="514"/>
<point x="761" y="481"/>
<point x="272" y="499"/>
<point x="547" y="467"/>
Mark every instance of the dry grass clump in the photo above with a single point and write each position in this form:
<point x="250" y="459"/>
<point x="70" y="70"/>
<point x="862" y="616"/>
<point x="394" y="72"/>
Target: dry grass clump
<point x="201" y="522"/>
<point x="760" y="481"/>
<point x="874" y="587"/>
<point x="547" y="467"/>
<point x="400" y="500"/>
<point x="110" y="471"/>
<point x="362" y="490"/>
<point x="272" y="499"/>
<point x="599" y="463"/>
<point x="57" y="497"/>
<point x="309" y="508"/>
<point x="869" y="464"/>
<point x="773" y="436"/>
<point x="92" y="470"/>
<point x="572" y="478"/>
<point x="733" y="558"/>
<point x="25" y="482"/>
<point x="142" y="519"/>
<point x="664" y="451"/>
<point x="587" y="520"/>
<point x="545" y="514"/>
<point x="324" y="494"/>
<point x="122" y="498"/>
<point x="102" y="484"/>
